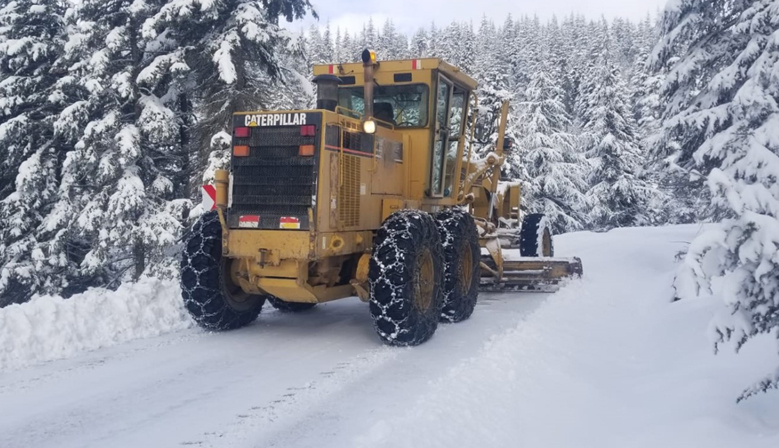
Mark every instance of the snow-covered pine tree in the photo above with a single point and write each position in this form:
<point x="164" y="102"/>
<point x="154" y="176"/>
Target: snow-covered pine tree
<point x="468" y="44"/>
<point x="355" y="50"/>
<point x="593" y="57"/>
<point x="315" y="46"/>
<point x="369" y="37"/>
<point x="625" y="50"/>
<point x="577" y="41"/>
<point x="387" y="42"/>
<point x="115" y="203"/>
<point x="401" y="46"/>
<point x="722" y="93"/>
<point x="450" y="44"/>
<point x="556" y="175"/>
<point x="31" y="39"/>
<point x="236" y="49"/>
<point x="337" y="46"/>
<point x="346" y="51"/>
<point x="493" y="78"/>
<point x="527" y="54"/>
<point x="30" y="42"/>
<point x="565" y="59"/>
<point x="645" y="83"/>
<point x="327" y="45"/>
<point x="419" y="44"/>
<point x="434" y="41"/>
<point x="645" y="86"/>
<point x="319" y="46"/>
<point x="617" y="196"/>
<point x="507" y="51"/>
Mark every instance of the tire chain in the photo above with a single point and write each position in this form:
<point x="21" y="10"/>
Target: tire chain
<point x="200" y="282"/>
<point x="395" y="319"/>
<point x="451" y="222"/>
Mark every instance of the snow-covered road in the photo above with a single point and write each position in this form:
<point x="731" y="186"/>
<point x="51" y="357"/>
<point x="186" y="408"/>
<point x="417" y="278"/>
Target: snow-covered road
<point x="605" y="362"/>
<point x="293" y="379"/>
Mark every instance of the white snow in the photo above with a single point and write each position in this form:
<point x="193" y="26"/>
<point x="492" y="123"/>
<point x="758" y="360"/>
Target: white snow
<point x="223" y="59"/>
<point x="50" y="327"/>
<point x="608" y="361"/>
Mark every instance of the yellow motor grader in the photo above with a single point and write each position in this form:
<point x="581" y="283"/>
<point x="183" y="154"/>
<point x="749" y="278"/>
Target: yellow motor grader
<point x="375" y="193"/>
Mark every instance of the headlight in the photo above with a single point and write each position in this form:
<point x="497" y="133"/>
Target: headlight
<point x="369" y="126"/>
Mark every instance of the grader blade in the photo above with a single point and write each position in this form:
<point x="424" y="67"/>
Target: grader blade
<point x="541" y="274"/>
<point x="529" y="274"/>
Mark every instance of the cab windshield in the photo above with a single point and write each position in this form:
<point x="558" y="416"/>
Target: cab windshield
<point x="402" y="106"/>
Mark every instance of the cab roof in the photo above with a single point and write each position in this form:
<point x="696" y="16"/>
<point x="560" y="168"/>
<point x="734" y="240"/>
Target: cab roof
<point x="400" y="66"/>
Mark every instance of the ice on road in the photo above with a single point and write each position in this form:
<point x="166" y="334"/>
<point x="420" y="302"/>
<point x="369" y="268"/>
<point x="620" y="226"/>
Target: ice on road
<point x="607" y="361"/>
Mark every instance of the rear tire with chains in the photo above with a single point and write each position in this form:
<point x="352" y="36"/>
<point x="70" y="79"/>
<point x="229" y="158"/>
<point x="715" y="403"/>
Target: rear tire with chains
<point x="406" y="275"/>
<point x="289" y="307"/>
<point x="462" y="254"/>
<point x="211" y="297"/>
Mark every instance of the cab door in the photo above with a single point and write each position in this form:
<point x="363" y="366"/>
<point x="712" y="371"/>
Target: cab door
<point x="441" y="134"/>
<point x="451" y="110"/>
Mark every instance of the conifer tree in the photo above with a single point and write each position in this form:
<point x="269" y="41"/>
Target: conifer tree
<point x="556" y="173"/>
<point x="419" y="44"/>
<point x="244" y="48"/>
<point x="617" y="196"/>
<point x="31" y="40"/>
<point x="722" y="95"/>
<point x="493" y="80"/>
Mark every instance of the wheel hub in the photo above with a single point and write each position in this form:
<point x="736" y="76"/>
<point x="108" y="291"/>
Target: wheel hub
<point x="546" y="248"/>
<point x="424" y="281"/>
<point x="466" y="269"/>
<point x="235" y="296"/>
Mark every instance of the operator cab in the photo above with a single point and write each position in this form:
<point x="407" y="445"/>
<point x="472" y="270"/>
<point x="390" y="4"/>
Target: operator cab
<point x="402" y="106"/>
<point x="427" y="98"/>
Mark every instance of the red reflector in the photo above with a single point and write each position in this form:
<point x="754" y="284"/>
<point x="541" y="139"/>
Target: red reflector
<point x="289" y="222"/>
<point x="308" y="130"/>
<point x="331" y="69"/>
<point x="241" y="132"/>
<point x="250" y="221"/>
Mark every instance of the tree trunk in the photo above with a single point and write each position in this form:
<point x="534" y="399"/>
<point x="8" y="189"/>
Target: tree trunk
<point x="139" y="253"/>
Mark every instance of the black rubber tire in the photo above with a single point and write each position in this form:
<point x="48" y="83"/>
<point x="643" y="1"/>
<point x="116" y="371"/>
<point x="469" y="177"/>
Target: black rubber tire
<point x="210" y="296"/>
<point x="289" y="307"/>
<point x="458" y="234"/>
<point x="405" y="238"/>
<point x="530" y="243"/>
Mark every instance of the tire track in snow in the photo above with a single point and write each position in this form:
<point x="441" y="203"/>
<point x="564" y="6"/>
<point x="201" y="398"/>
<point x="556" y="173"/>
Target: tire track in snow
<point x="261" y="421"/>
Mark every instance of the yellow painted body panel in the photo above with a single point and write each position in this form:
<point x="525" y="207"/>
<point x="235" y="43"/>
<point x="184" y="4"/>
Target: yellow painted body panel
<point x="357" y="191"/>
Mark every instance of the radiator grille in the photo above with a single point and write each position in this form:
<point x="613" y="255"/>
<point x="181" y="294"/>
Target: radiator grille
<point x="273" y="181"/>
<point x="336" y="137"/>
<point x="349" y="192"/>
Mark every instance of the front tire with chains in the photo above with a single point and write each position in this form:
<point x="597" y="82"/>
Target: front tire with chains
<point x="210" y="296"/>
<point x="405" y="275"/>
<point x="462" y="254"/>
<point x="535" y="236"/>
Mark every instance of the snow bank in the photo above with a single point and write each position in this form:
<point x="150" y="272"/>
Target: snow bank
<point x="608" y="361"/>
<point x="49" y="327"/>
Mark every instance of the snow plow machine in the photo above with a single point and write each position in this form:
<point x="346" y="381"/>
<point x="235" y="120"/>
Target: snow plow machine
<point x="375" y="193"/>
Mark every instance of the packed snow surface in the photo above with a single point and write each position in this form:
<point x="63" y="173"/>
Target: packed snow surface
<point x="608" y="361"/>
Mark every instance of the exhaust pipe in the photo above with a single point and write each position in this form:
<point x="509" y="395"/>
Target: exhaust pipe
<point x="369" y="65"/>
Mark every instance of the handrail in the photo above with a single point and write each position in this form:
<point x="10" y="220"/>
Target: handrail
<point x="340" y="158"/>
<point x="391" y="126"/>
<point x="357" y="115"/>
<point x="470" y="142"/>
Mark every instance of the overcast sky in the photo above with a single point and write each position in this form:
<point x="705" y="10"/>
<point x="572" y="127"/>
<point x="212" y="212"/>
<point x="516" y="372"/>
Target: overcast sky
<point x="409" y="15"/>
